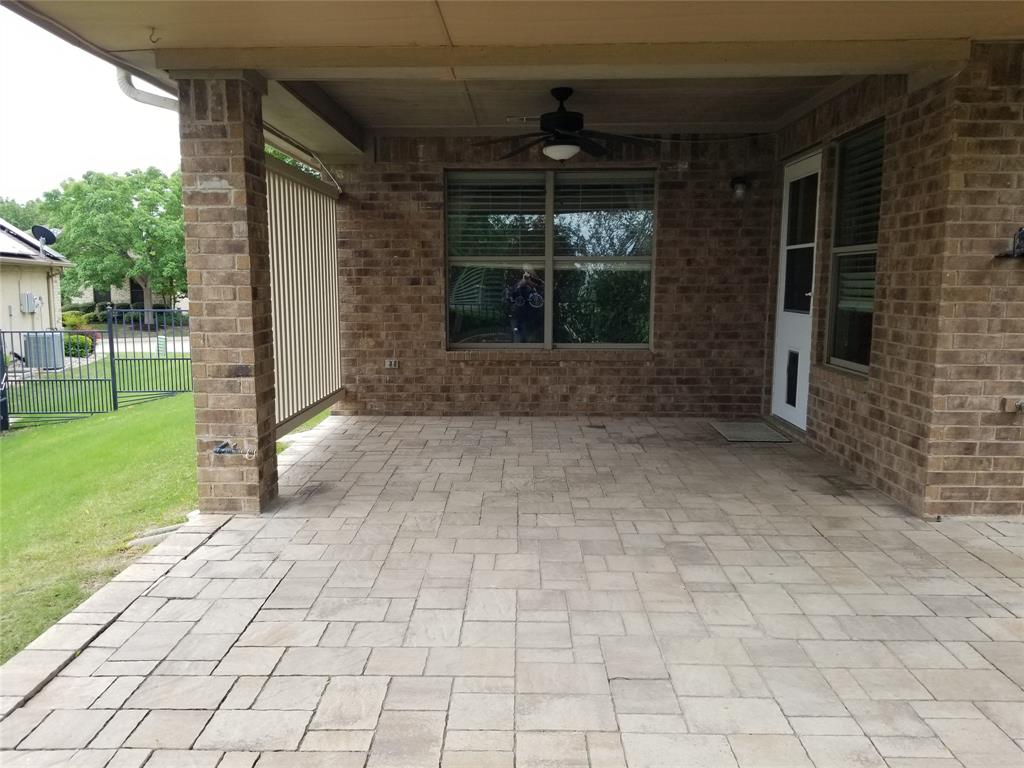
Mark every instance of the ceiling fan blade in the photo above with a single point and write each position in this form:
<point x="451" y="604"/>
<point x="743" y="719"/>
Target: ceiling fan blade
<point x="589" y="146"/>
<point x="517" y="137"/>
<point x="523" y="147"/>
<point x="625" y="137"/>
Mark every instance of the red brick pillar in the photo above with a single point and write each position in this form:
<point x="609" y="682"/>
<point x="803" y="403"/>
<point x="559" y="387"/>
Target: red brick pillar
<point x="224" y="193"/>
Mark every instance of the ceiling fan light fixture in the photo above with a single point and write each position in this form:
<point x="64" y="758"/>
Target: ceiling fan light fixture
<point x="739" y="185"/>
<point x="560" y="150"/>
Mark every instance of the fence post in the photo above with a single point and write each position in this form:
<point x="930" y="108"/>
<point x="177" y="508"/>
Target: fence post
<point x="113" y="354"/>
<point x="5" y="415"/>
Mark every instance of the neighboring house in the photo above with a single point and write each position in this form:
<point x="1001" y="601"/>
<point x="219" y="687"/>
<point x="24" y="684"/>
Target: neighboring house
<point x="129" y="292"/>
<point x="29" y="282"/>
<point x="811" y="230"/>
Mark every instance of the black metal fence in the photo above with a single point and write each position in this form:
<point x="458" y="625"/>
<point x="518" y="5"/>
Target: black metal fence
<point x="63" y="374"/>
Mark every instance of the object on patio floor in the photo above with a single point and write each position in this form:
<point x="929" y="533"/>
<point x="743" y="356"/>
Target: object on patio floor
<point x="748" y="432"/>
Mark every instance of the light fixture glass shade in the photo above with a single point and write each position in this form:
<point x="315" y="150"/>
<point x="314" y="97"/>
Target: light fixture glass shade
<point x="560" y="151"/>
<point x="739" y="186"/>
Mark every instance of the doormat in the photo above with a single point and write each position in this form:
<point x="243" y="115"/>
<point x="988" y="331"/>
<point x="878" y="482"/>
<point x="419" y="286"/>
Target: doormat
<point x="748" y="432"/>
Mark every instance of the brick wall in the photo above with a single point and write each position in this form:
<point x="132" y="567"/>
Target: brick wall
<point x="710" y="291"/>
<point x="227" y="257"/>
<point x="976" y="454"/>
<point x="924" y="425"/>
<point x="878" y="424"/>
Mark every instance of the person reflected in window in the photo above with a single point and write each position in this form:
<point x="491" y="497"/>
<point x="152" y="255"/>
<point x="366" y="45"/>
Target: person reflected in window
<point x="526" y="307"/>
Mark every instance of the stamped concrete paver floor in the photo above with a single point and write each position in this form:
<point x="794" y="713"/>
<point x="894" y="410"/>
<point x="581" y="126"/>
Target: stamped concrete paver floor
<point x="519" y="593"/>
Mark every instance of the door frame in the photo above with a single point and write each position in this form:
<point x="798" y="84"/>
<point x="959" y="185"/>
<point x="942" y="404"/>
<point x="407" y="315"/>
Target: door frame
<point x="799" y="167"/>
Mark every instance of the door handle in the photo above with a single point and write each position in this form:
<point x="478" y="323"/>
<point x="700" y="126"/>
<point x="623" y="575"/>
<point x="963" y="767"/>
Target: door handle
<point x="808" y="293"/>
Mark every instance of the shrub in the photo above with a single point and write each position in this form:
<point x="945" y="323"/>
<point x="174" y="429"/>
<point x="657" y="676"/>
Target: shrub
<point x="77" y="345"/>
<point x="74" y="320"/>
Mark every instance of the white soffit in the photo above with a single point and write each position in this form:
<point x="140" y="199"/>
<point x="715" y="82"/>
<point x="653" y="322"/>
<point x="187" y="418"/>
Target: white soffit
<point x="121" y="26"/>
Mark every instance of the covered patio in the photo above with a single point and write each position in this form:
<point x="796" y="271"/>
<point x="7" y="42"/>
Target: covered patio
<point x="529" y="592"/>
<point x="518" y="542"/>
<point x="803" y="212"/>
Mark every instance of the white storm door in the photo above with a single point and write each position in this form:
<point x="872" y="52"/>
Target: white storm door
<point x="791" y="371"/>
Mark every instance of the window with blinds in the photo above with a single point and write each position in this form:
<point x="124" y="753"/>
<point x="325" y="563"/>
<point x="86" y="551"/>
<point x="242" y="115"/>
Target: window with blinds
<point x="854" y="250"/>
<point x="495" y="217"/>
<point x="549" y="258"/>
<point x="859" y="190"/>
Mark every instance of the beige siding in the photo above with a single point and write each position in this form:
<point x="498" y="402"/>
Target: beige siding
<point x="15" y="280"/>
<point x="304" y="285"/>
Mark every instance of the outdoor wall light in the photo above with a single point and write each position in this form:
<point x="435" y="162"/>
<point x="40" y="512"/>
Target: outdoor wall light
<point x="1016" y="247"/>
<point x="560" y="150"/>
<point x="739" y="186"/>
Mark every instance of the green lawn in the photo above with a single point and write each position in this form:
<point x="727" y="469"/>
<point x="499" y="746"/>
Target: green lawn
<point x="306" y="425"/>
<point x="73" y="494"/>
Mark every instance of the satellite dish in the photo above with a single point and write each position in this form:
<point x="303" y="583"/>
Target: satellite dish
<point x="47" y="236"/>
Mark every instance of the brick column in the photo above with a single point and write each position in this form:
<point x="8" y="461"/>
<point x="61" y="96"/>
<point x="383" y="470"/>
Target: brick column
<point x="976" y="449"/>
<point x="224" y="193"/>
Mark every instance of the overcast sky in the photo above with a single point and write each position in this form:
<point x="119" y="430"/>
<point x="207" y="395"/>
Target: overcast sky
<point x="62" y="114"/>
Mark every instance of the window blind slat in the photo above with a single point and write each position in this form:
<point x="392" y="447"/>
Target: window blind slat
<point x="859" y="190"/>
<point x="495" y="217"/>
<point x="855" y="282"/>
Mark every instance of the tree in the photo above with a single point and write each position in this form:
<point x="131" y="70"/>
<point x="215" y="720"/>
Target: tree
<point x="120" y="227"/>
<point x="21" y="215"/>
<point x="287" y="159"/>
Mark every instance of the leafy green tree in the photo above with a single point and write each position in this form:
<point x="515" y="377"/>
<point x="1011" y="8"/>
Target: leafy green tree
<point x="603" y="301"/>
<point x="21" y="215"/>
<point x="118" y="227"/>
<point x="277" y="154"/>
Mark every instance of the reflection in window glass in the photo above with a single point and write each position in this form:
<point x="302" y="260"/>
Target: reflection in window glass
<point x="803" y="209"/>
<point x="598" y="217"/>
<point x="799" y="275"/>
<point x="602" y="304"/>
<point x="492" y="304"/>
<point x="595" y="242"/>
<point x="852" y="315"/>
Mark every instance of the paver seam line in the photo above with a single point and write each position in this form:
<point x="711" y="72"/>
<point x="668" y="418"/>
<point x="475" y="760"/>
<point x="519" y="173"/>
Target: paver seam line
<point x="74" y="653"/>
<point x="47" y="716"/>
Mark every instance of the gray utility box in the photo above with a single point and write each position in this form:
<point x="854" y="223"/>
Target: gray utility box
<point x="43" y="349"/>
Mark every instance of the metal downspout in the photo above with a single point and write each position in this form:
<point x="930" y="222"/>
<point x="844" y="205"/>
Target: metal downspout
<point x="124" y="81"/>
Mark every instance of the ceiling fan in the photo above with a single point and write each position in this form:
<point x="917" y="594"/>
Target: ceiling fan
<point x="563" y="135"/>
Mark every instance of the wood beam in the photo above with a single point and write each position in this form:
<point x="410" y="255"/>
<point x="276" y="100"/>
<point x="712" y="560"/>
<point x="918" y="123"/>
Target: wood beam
<point x="657" y="60"/>
<point x="320" y="103"/>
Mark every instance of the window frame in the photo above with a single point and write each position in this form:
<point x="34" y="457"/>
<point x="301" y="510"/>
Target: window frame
<point x="550" y="263"/>
<point x="837" y="252"/>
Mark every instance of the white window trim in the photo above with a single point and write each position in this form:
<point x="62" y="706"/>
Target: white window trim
<point x="550" y="262"/>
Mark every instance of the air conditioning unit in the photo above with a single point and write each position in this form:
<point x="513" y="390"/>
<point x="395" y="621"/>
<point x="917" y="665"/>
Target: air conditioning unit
<point x="43" y="349"/>
<point x="29" y="303"/>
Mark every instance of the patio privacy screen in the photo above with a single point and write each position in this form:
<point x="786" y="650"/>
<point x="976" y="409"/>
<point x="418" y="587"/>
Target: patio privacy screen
<point x="858" y="200"/>
<point x="547" y="258"/>
<point x="304" y="290"/>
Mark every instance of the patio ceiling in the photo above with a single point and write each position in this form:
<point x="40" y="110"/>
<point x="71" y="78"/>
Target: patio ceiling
<point x="342" y="72"/>
<point x="709" y="104"/>
<point x="125" y="27"/>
